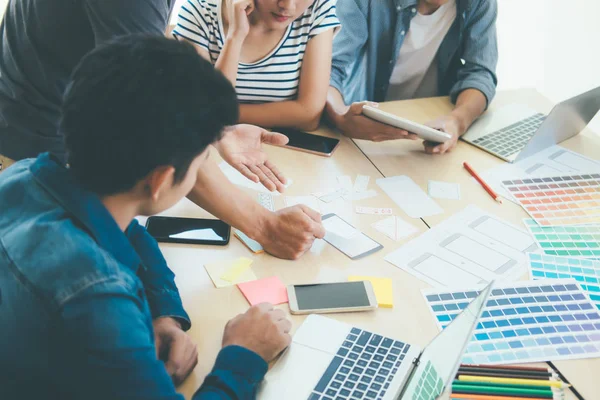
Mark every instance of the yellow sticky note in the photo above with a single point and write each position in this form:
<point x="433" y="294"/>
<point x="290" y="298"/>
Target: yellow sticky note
<point x="238" y="267"/>
<point x="229" y="269"/>
<point x="382" y="287"/>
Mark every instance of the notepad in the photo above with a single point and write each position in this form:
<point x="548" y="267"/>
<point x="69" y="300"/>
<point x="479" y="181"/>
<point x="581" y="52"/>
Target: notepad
<point x="229" y="269"/>
<point x="382" y="287"/>
<point x="266" y="290"/>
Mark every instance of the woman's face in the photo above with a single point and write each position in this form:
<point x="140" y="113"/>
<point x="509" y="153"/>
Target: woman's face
<point x="278" y="14"/>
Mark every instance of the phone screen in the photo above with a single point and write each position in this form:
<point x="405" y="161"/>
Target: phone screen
<point x="306" y="141"/>
<point x="331" y="295"/>
<point x="188" y="230"/>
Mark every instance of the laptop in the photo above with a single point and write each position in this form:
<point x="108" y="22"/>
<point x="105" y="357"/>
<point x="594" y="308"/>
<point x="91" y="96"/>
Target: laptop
<point x="331" y="360"/>
<point x="515" y="132"/>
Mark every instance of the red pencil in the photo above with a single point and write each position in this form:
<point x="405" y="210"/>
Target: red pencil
<point x="485" y="185"/>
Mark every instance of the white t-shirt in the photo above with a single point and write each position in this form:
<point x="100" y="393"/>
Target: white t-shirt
<point x="276" y="76"/>
<point x="415" y="73"/>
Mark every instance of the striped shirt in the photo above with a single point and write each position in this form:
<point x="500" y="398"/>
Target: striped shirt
<point x="276" y="76"/>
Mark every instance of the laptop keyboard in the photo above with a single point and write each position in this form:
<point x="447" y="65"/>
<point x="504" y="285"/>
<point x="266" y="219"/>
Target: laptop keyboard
<point x="430" y="385"/>
<point x="513" y="138"/>
<point x="363" y="368"/>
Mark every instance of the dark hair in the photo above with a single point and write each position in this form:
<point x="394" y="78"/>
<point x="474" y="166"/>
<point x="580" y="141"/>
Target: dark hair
<point x="140" y="102"/>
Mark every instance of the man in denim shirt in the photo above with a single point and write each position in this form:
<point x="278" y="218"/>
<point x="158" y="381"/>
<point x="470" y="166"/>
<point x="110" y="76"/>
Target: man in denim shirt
<point x="401" y="49"/>
<point x="88" y="307"/>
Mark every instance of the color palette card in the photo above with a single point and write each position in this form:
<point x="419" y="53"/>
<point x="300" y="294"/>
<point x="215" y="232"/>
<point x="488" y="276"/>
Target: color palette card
<point x="561" y="200"/>
<point x="532" y="321"/>
<point x="586" y="272"/>
<point x="581" y="241"/>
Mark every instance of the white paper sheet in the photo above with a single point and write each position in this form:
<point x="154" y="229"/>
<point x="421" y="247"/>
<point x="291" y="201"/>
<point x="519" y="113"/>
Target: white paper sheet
<point x="553" y="161"/>
<point x="470" y="247"/>
<point x="443" y="190"/>
<point x="345" y="182"/>
<point x="309" y="201"/>
<point x="374" y="210"/>
<point x="238" y="179"/>
<point x="360" y="196"/>
<point x="395" y="228"/>
<point x="361" y="183"/>
<point x="409" y="196"/>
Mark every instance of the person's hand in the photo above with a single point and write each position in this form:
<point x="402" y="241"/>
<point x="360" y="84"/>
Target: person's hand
<point x="448" y="124"/>
<point x="355" y="125"/>
<point x="175" y="348"/>
<point x="262" y="329"/>
<point x="239" y="25"/>
<point x="290" y="232"/>
<point x="241" y="147"/>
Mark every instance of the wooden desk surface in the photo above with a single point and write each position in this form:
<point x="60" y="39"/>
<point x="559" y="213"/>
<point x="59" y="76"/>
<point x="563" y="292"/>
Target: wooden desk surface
<point x="405" y="157"/>
<point x="210" y="308"/>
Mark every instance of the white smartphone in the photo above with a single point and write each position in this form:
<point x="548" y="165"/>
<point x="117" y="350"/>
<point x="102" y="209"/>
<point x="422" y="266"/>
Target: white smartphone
<point x="321" y="298"/>
<point x="422" y="131"/>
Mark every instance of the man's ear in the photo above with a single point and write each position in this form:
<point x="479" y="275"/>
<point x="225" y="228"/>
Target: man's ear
<point x="159" y="180"/>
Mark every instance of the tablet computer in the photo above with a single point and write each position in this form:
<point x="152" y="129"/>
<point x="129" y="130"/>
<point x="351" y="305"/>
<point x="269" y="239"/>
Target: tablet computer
<point x="422" y="131"/>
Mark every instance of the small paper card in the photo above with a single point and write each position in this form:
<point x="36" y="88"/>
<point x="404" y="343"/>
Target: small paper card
<point x="266" y="290"/>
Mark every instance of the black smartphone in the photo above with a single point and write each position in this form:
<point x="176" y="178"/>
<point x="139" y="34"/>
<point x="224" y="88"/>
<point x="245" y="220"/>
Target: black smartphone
<point x="189" y="230"/>
<point x="309" y="143"/>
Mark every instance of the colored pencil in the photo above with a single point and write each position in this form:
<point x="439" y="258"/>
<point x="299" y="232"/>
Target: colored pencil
<point x="491" y="379"/>
<point x="564" y="379"/>
<point x="507" y="370"/>
<point x="492" y="390"/>
<point x="455" y="396"/>
<point x="505" y="385"/>
<point x="482" y="182"/>
<point x="517" y="367"/>
<point x="514" y="374"/>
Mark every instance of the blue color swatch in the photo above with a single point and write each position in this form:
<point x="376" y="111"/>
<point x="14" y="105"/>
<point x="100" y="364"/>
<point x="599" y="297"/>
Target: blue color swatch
<point x="586" y="272"/>
<point x="529" y="321"/>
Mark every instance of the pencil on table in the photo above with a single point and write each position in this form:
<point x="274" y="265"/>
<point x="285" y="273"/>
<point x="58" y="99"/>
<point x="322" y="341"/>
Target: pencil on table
<point x="482" y="182"/>
<point x="534" y="382"/>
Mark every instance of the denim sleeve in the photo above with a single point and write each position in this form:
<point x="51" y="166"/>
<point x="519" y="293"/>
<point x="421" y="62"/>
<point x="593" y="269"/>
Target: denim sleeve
<point x="109" y="353"/>
<point x="108" y="347"/>
<point x="158" y="279"/>
<point x="111" y="18"/>
<point x="480" y="52"/>
<point x="236" y="375"/>
<point x="349" y="43"/>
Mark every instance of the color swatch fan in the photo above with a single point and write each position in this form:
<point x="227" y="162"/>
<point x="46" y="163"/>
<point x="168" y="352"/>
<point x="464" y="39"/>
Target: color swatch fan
<point x="530" y="321"/>
<point x="586" y="272"/>
<point x="563" y="200"/>
<point x="580" y="241"/>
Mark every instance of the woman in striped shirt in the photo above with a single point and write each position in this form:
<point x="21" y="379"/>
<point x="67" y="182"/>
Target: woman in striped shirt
<point x="277" y="54"/>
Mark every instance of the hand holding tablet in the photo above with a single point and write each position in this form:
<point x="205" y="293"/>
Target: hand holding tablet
<point x="422" y="131"/>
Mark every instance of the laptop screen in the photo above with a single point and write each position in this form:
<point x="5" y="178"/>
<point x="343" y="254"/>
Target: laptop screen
<point x="441" y="358"/>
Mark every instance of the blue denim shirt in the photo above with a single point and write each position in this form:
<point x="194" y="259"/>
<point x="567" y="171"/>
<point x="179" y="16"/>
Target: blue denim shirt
<point x="78" y="295"/>
<point x="366" y="49"/>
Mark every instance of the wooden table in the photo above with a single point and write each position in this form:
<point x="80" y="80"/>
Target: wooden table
<point x="405" y="157"/>
<point x="210" y="308"/>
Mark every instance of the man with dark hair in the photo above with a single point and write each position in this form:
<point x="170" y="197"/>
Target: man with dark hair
<point x="88" y="307"/>
<point x="41" y="41"/>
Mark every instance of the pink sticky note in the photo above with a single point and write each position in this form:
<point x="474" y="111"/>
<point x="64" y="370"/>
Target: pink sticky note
<point x="266" y="290"/>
